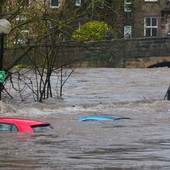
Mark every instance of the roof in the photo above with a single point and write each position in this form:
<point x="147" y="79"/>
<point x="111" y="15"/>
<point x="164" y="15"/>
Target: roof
<point x="22" y="120"/>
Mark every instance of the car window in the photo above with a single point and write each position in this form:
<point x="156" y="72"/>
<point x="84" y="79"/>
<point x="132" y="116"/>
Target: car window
<point x="8" y="127"/>
<point x="14" y="128"/>
<point x="41" y="128"/>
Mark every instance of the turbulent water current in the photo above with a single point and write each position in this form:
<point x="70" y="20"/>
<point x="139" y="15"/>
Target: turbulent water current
<point x="139" y="143"/>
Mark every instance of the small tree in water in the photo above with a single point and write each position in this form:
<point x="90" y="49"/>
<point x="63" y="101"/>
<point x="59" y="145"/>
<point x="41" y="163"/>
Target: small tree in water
<point x="38" y="38"/>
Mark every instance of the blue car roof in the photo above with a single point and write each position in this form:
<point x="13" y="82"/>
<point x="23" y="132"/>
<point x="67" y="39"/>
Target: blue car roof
<point x="102" y="118"/>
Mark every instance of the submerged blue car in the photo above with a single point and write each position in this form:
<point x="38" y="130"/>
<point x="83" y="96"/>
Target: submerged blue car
<point x="101" y="118"/>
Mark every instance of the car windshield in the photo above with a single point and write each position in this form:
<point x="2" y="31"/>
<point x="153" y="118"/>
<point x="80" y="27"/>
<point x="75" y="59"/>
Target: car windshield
<point x="41" y="128"/>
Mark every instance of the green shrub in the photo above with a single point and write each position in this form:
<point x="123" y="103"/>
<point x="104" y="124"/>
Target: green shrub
<point x="94" y="31"/>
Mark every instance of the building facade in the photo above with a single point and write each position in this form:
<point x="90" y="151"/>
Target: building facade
<point x="146" y="18"/>
<point x="129" y="18"/>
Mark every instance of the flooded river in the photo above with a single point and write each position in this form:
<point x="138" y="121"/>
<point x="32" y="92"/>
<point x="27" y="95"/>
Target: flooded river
<point x="139" y="143"/>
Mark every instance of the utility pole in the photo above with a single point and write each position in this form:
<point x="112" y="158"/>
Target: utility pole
<point x="5" y="28"/>
<point x="1" y="62"/>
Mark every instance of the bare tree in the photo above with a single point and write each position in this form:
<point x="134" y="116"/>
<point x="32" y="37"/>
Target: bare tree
<point x="37" y="39"/>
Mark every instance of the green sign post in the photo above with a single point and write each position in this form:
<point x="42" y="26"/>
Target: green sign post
<point x="2" y="76"/>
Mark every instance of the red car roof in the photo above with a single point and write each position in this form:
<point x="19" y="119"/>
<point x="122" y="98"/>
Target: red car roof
<point x="22" y="120"/>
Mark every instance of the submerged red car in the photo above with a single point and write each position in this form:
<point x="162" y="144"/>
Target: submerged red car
<point x="23" y="125"/>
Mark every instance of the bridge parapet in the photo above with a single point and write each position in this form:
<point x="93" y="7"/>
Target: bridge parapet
<point x="136" y="53"/>
<point x="121" y="53"/>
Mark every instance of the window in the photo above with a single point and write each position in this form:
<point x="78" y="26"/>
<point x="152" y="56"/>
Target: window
<point x="41" y="128"/>
<point x="127" y="5"/>
<point x="22" y="24"/>
<point x="127" y="31"/>
<point x="54" y="3"/>
<point x="23" y="31"/>
<point x="150" y="26"/>
<point x="8" y="127"/>
<point x="14" y="128"/>
<point x="78" y="2"/>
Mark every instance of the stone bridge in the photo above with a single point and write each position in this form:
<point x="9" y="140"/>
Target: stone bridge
<point x="148" y="53"/>
<point x="137" y="53"/>
<point x="130" y="53"/>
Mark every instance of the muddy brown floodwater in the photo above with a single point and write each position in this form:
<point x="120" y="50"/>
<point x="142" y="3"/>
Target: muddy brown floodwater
<point x="139" y="143"/>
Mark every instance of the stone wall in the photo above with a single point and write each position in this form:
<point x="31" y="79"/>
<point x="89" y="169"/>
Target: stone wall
<point x="136" y="53"/>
